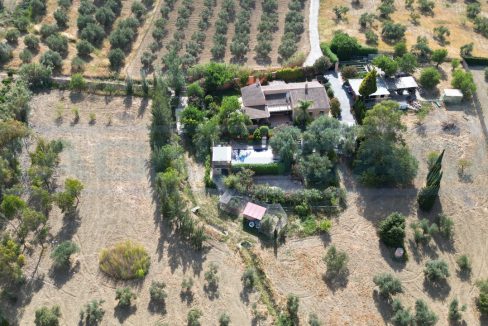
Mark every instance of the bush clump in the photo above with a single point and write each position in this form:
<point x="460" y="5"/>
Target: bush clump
<point x="126" y="260"/>
<point x="125" y="296"/>
<point x="392" y="230"/>
<point x="157" y="292"/>
<point x="92" y="313"/>
<point x="62" y="253"/>
<point x="388" y="284"/>
<point x="47" y="316"/>
<point x="436" y="270"/>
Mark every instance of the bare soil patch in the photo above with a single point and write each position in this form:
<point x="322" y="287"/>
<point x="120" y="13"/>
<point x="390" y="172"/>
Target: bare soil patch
<point x="117" y="203"/>
<point x="451" y="14"/>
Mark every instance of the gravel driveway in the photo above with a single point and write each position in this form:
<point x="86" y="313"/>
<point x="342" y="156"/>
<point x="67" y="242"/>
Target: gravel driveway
<point x="313" y="28"/>
<point x="345" y="100"/>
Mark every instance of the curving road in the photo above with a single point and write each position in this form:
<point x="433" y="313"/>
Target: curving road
<point x="313" y="31"/>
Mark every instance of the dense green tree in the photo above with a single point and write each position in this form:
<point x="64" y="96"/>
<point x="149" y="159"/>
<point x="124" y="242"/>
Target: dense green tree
<point x="384" y="121"/>
<point x="51" y="59"/>
<point x="285" y="143"/>
<point x="423" y="315"/>
<point x="162" y="119"/>
<point x="206" y="135"/>
<point x="92" y="313"/>
<point x="400" y="49"/>
<point x="368" y="85"/>
<point x="31" y="42"/>
<point x="5" y="53"/>
<point x="191" y="117"/>
<point x="393" y="32"/>
<point x="430" y="77"/>
<point x="344" y="46"/>
<point x="61" y="18"/>
<point x="12" y="35"/>
<point x="62" y="253"/>
<point x="116" y="58"/>
<point x="429" y="193"/>
<point x="392" y="230"/>
<point x="301" y="113"/>
<point x="336" y="261"/>
<point x="387" y="64"/>
<point x="237" y="124"/>
<point x="407" y="63"/>
<point x="463" y="80"/>
<point x="47" y="316"/>
<point x="125" y="296"/>
<point x="325" y="135"/>
<point x="317" y="171"/>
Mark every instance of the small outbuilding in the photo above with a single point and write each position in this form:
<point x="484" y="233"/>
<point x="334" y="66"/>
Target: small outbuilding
<point x="452" y="96"/>
<point x="221" y="159"/>
<point x="253" y="212"/>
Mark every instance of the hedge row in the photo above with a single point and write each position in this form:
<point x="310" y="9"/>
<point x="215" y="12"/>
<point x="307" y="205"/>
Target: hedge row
<point x="240" y="42"/>
<point x="267" y="26"/>
<point x="480" y="61"/>
<point x="226" y="16"/>
<point x="328" y="52"/>
<point x="293" y="29"/>
<point x="261" y="169"/>
<point x="290" y="74"/>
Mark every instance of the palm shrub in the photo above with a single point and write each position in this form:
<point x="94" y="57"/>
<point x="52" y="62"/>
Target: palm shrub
<point x="392" y="230"/>
<point x="47" y="316"/>
<point x="423" y="315"/>
<point x="62" y="253"/>
<point x="125" y="296"/>
<point x="436" y="270"/>
<point x="336" y="261"/>
<point x="429" y="193"/>
<point x="388" y="284"/>
<point x="92" y="313"/>
<point x="157" y="292"/>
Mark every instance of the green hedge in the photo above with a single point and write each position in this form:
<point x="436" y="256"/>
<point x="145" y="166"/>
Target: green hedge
<point x="328" y="52"/>
<point x="290" y="74"/>
<point x="365" y="50"/>
<point x="480" y="61"/>
<point x="261" y="169"/>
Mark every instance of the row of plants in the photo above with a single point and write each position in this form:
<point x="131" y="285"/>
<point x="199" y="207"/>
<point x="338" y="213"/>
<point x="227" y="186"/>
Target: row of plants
<point x="293" y="29"/>
<point x="225" y="17"/>
<point x="195" y="46"/>
<point x="267" y="27"/>
<point x="125" y="33"/>
<point x="167" y="161"/>
<point x="240" y="42"/>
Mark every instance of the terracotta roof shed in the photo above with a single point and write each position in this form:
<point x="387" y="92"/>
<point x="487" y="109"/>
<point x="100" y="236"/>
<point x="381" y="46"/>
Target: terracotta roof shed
<point x="254" y="212"/>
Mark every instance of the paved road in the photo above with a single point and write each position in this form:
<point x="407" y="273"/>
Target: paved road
<point x="345" y="100"/>
<point x="313" y="31"/>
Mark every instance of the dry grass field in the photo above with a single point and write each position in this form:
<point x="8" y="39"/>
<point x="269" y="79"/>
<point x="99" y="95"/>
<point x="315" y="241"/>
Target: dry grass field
<point x="117" y="204"/>
<point x="451" y="14"/>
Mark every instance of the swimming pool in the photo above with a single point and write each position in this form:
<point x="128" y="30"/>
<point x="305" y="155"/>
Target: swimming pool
<point x="252" y="156"/>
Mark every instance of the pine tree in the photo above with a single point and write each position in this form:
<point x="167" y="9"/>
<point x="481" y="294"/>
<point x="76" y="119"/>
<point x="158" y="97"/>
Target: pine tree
<point x="429" y="193"/>
<point x="368" y="85"/>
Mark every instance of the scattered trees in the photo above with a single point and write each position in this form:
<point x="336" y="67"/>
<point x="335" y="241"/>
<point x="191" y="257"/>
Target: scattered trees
<point x="293" y="30"/>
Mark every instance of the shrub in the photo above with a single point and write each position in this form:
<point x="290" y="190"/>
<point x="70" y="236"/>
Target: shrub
<point x="446" y="226"/>
<point x="25" y="56"/>
<point x="5" y="52"/>
<point x="249" y="278"/>
<point x="57" y="43"/>
<point x="31" y="42"/>
<point x="84" y="48"/>
<point x="392" y="230"/>
<point x="125" y="260"/>
<point x="138" y="9"/>
<point x="12" y="35"/>
<point x="93" y="33"/>
<point x="211" y="275"/>
<point x="456" y="314"/>
<point x="292" y="304"/>
<point x="388" y="284"/>
<point x="48" y="30"/>
<point x="47" y="316"/>
<point x="464" y="81"/>
<point x="22" y="23"/>
<point x="371" y="37"/>
<point x="464" y="263"/>
<point x="336" y="261"/>
<point x="423" y="315"/>
<point x="77" y="65"/>
<point x="322" y="64"/>
<point x="349" y="72"/>
<point x="105" y="16"/>
<point x="482" y="300"/>
<point x="125" y="296"/>
<point x="92" y="313"/>
<point x="157" y="292"/>
<point x="393" y="32"/>
<point x="430" y="77"/>
<point x="61" y="18"/>
<point x="62" y="253"/>
<point x="313" y="320"/>
<point x="193" y="317"/>
<point x="436" y="270"/>
<point x="116" y="58"/>
<point x="35" y="75"/>
<point x="401" y="316"/>
<point x="261" y="169"/>
<point x="77" y="82"/>
<point x="51" y="59"/>
<point x="328" y="52"/>
<point x="423" y="230"/>
<point x="224" y="319"/>
<point x="290" y="74"/>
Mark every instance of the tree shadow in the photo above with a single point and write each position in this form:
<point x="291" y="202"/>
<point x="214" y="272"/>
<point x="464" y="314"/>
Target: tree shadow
<point x="122" y="313"/>
<point x="142" y="107"/>
<point x="212" y="291"/>
<point x="438" y="290"/>
<point x="464" y="275"/>
<point x="336" y="281"/>
<point x="187" y="296"/>
<point x="383" y="305"/>
<point x="244" y="295"/>
<point x="128" y="101"/>
<point x="157" y="307"/>
<point x="71" y="223"/>
<point x="61" y="275"/>
<point x="421" y="250"/>
<point x="388" y="255"/>
<point x="16" y="296"/>
<point x="263" y="61"/>
<point x="483" y="319"/>
<point x="76" y="97"/>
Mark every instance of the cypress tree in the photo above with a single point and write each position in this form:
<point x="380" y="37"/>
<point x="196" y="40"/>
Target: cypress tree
<point x="368" y="85"/>
<point x="429" y="193"/>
